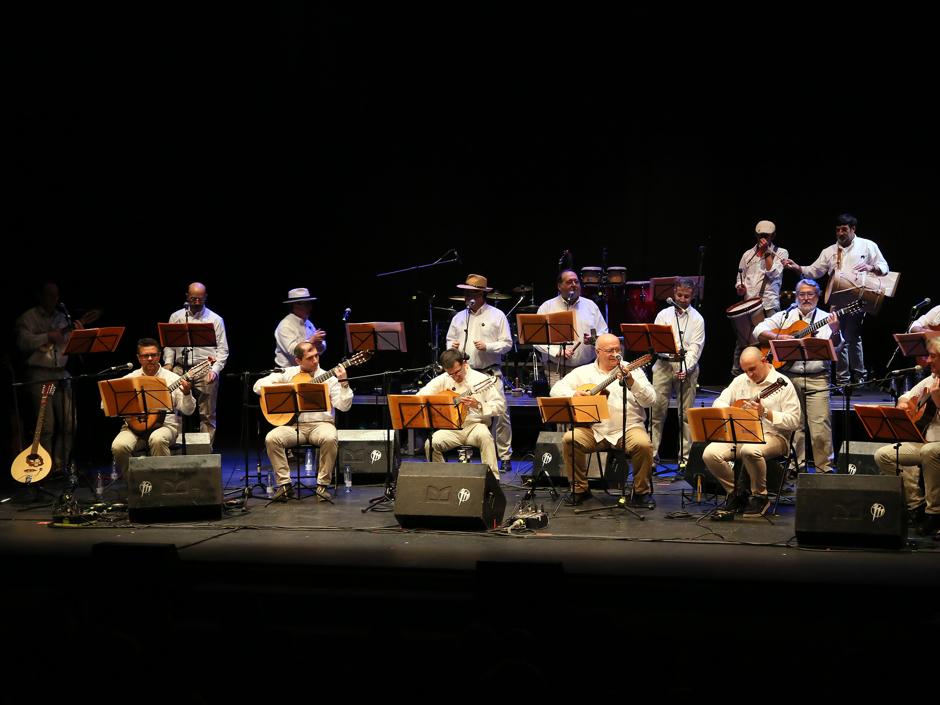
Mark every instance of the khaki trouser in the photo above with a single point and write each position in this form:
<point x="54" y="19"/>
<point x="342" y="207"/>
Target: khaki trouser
<point x="717" y="457"/>
<point x="477" y="435"/>
<point x="126" y="443"/>
<point x="666" y="384"/>
<point x="639" y="449"/>
<point x="321" y="434"/>
<point x="914" y="458"/>
<point x="815" y="413"/>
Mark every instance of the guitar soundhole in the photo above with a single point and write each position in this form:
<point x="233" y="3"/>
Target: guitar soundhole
<point x="34" y="460"/>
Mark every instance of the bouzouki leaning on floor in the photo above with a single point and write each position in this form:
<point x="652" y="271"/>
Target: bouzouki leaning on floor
<point x="141" y="423"/>
<point x="34" y="463"/>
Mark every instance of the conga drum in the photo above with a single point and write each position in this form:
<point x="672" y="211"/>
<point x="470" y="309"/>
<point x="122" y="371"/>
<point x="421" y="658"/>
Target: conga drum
<point x="591" y="276"/>
<point x="617" y="275"/>
<point x="744" y="317"/>
<point x="845" y="287"/>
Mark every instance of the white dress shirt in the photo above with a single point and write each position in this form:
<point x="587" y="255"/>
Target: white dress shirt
<point x="785" y="319"/>
<point x="931" y="318"/>
<point x="861" y="251"/>
<point x="184" y="403"/>
<point x="933" y="430"/>
<point x="341" y="396"/>
<point x="290" y="332"/>
<point x="752" y="275"/>
<point x="492" y="400"/>
<point x="639" y="397"/>
<point x="692" y="325"/>
<point x="219" y="352"/>
<point x="784" y="403"/>
<point x="488" y="325"/>
<point x="32" y="329"/>
<point x="587" y="316"/>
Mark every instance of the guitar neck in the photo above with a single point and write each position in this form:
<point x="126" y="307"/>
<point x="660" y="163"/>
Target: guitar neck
<point x="39" y="424"/>
<point x="319" y="379"/>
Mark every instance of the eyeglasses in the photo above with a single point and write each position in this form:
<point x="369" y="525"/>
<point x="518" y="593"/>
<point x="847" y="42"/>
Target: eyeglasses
<point x="147" y="356"/>
<point x="807" y="294"/>
<point x="608" y="350"/>
<point x="197" y="299"/>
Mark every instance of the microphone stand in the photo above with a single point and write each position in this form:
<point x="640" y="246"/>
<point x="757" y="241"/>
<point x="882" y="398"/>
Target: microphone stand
<point x="680" y="464"/>
<point x="892" y="385"/>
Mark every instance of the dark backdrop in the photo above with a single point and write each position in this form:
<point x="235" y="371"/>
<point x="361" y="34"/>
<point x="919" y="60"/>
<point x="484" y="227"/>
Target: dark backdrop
<point x="290" y="145"/>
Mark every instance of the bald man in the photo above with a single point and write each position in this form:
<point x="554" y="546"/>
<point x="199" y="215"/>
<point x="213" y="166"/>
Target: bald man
<point x="179" y="360"/>
<point x="609" y="433"/>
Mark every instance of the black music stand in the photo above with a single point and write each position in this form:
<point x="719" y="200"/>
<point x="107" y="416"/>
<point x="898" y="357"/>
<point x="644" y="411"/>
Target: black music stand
<point x="380" y="336"/>
<point x="726" y="424"/>
<point x="555" y="328"/>
<point x="657" y="339"/>
<point x="890" y="424"/>
<point x="295" y="399"/>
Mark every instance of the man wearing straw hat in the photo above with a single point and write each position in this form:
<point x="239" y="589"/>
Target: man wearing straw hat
<point x="296" y="328"/>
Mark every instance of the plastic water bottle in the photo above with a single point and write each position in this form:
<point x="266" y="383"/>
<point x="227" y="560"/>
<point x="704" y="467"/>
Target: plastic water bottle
<point x="269" y="488"/>
<point x="99" y="486"/>
<point x="308" y="463"/>
<point x="347" y="478"/>
<point x="114" y="470"/>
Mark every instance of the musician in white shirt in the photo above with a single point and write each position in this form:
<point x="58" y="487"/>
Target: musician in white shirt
<point x="480" y="398"/>
<point x="924" y="506"/>
<point x="812" y="376"/>
<point x="929" y="321"/>
<point x="482" y="332"/>
<point x="296" y="327"/>
<point x="854" y="254"/>
<point x="760" y="273"/>
<point x="779" y="413"/>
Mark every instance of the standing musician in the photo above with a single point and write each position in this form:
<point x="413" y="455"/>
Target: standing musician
<point x="760" y="273"/>
<point x="314" y="427"/>
<point x="688" y="329"/>
<point x="849" y="254"/>
<point x="924" y="398"/>
<point x="478" y="406"/>
<point x="609" y="433"/>
<point x="482" y="332"/>
<point x="296" y="328"/>
<point x="179" y="360"/>
<point x="812" y="376"/>
<point x="42" y="333"/>
<point x="587" y="317"/>
<point x="158" y="438"/>
<point x="779" y="413"/>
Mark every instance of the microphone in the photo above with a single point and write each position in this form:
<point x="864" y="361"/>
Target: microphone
<point x="457" y="255"/>
<point x="116" y="368"/>
<point x="346" y="314"/>
<point x="925" y="302"/>
<point x="672" y="302"/>
<point x="906" y="370"/>
<point x="61" y="307"/>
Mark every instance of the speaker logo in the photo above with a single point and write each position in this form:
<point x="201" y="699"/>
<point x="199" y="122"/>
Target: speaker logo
<point x="463" y="496"/>
<point x="375" y="457"/>
<point x="877" y="511"/>
<point x="546" y="458"/>
<point x="145" y="488"/>
<point x="852" y="468"/>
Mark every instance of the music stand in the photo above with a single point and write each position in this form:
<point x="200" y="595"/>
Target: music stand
<point x="891" y="424"/>
<point x="380" y="336"/>
<point x="663" y="287"/>
<point x="915" y="344"/>
<point x="557" y="328"/>
<point x="726" y="424"/>
<point x="295" y="399"/>
<point x="187" y="336"/>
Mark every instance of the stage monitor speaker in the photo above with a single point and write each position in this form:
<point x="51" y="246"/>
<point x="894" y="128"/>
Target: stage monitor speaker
<point x="365" y="451"/>
<point x="174" y="487"/>
<point x="548" y="453"/>
<point x="861" y="458"/>
<point x="842" y="510"/>
<point x="448" y="496"/>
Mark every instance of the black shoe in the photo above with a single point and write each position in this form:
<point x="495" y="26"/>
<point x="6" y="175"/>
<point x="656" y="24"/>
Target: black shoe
<point x="735" y="503"/>
<point x="915" y="515"/>
<point x="284" y="493"/>
<point x="722" y="515"/>
<point x="757" y="505"/>
<point x="643" y="500"/>
<point x="576" y="498"/>
<point x="930" y="525"/>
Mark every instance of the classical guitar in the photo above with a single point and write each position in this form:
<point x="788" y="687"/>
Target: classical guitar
<point x="764" y="393"/>
<point x="358" y="358"/>
<point x="142" y="423"/>
<point x="922" y="413"/>
<point x="801" y="329"/>
<point x="479" y="387"/>
<point x="601" y="387"/>
<point x="34" y="463"/>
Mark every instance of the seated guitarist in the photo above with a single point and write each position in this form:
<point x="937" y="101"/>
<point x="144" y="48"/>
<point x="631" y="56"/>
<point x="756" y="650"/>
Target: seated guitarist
<point x="924" y="506"/>
<point x="479" y="407"/>
<point x="158" y="438"/>
<point x="609" y="433"/>
<point x="317" y="428"/>
<point x="812" y="376"/>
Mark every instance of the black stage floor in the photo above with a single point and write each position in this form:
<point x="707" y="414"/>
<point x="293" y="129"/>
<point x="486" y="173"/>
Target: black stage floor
<point x="307" y="594"/>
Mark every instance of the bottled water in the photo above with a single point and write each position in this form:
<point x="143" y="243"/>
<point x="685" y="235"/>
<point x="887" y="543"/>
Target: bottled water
<point x="99" y="486"/>
<point x="347" y="478"/>
<point x="269" y="488"/>
<point x="308" y="463"/>
<point x="114" y="470"/>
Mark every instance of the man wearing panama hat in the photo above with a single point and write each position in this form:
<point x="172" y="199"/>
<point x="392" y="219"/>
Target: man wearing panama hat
<point x="296" y="328"/>
<point x="481" y="332"/>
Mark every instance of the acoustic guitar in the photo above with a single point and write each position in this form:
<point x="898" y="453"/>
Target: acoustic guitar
<point x="801" y="329"/>
<point x="923" y="412"/>
<point x="601" y="387"/>
<point x="34" y="463"/>
<point x="358" y="358"/>
<point x="142" y="423"/>
<point x="764" y="393"/>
